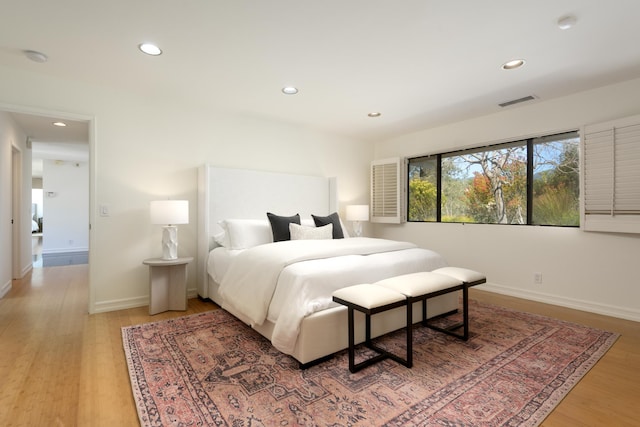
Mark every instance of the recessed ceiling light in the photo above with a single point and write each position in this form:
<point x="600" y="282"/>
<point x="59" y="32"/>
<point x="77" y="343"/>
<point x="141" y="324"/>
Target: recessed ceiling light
<point x="59" y="124"/>
<point x="35" y="56"/>
<point x="512" y="65"/>
<point x="566" y="22"/>
<point x="289" y="90"/>
<point x="374" y="114"/>
<point x="150" y="49"/>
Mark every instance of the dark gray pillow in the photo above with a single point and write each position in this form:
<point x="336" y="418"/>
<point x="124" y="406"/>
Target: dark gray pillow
<point x="280" y="226"/>
<point x="334" y="219"/>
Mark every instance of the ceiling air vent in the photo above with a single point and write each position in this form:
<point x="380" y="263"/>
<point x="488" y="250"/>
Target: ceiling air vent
<point x="518" y="101"/>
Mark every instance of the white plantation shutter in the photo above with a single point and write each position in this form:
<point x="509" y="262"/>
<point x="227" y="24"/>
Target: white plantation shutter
<point x="610" y="173"/>
<point x="386" y="191"/>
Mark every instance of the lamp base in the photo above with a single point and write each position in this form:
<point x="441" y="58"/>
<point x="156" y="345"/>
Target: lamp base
<point x="169" y="242"/>
<point x="357" y="228"/>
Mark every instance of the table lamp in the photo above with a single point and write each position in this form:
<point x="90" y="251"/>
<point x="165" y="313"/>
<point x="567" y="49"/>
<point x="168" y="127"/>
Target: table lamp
<point x="168" y="213"/>
<point x="357" y="214"/>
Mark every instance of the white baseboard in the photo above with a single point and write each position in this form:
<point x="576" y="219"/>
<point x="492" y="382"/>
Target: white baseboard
<point x="64" y="250"/>
<point x="576" y="304"/>
<point x="5" y="289"/>
<point x="126" y="303"/>
<point x="27" y="268"/>
<point x="119" y="304"/>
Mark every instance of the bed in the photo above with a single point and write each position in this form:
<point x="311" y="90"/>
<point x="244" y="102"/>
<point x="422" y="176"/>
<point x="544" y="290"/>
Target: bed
<point x="283" y="289"/>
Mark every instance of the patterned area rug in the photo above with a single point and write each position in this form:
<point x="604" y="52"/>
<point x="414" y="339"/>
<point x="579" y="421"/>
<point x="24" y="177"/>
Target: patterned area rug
<point x="210" y="369"/>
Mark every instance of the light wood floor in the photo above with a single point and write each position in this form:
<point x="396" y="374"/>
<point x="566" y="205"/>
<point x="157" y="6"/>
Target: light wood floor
<point x="60" y="366"/>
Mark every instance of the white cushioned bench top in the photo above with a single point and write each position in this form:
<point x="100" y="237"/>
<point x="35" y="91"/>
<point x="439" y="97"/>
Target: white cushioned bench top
<point x="421" y="283"/>
<point x="368" y="296"/>
<point x="463" y="274"/>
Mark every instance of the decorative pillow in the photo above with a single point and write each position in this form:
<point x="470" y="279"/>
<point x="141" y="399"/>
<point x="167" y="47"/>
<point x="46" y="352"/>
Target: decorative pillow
<point x="280" y="226"/>
<point x="221" y="238"/>
<point x="244" y="233"/>
<point x="334" y="219"/>
<point x="301" y="232"/>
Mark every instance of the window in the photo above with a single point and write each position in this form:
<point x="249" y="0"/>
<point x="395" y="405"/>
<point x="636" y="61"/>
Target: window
<point x="556" y="180"/>
<point x="423" y="189"/>
<point x="534" y="181"/>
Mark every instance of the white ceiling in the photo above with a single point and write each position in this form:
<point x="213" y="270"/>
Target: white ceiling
<point x="50" y="142"/>
<point x="420" y="63"/>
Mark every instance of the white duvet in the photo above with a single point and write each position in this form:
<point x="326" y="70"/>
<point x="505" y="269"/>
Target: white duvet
<point x="286" y="281"/>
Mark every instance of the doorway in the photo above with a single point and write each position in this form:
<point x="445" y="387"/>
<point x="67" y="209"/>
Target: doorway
<point x="59" y="153"/>
<point x="64" y="210"/>
<point x="38" y="126"/>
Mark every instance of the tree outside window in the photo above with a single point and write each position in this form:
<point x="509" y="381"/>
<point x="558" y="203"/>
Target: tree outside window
<point x="423" y="190"/>
<point x="490" y="185"/>
<point x="556" y="180"/>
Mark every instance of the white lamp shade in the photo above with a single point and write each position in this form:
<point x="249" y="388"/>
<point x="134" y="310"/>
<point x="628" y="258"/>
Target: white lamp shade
<point x="169" y="212"/>
<point x="358" y="213"/>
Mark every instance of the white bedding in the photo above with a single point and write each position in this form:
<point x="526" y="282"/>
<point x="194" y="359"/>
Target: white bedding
<point x="286" y="281"/>
<point x="219" y="260"/>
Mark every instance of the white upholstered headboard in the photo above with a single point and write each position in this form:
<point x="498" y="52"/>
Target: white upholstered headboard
<point x="249" y="194"/>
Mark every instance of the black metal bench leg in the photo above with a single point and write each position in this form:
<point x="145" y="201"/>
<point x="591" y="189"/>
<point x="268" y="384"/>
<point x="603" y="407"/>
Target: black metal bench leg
<point x="409" y="359"/>
<point x="465" y="311"/>
<point x="382" y="354"/>
<point x="465" y="316"/>
<point x="424" y="312"/>
<point x="352" y="350"/>
<point x="367" y="330"/>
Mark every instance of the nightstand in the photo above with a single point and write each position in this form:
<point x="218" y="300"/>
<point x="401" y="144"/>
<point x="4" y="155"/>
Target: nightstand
<point x="167" y="284"/>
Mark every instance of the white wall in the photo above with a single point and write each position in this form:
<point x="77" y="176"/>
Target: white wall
<point x="66" y="203"/>
<point x="148" y="148"/>
<point x="37" y="198"/>
<point x="591" y="271"/>
<point x="12" y="136"/>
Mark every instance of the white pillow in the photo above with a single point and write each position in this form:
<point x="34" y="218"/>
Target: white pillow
<point x="301" y="232"/>
<point x="221" y="238"/>
<point x="245" y="233"/>
<point x="311" y="223"/>
<point x="307" y="222"/>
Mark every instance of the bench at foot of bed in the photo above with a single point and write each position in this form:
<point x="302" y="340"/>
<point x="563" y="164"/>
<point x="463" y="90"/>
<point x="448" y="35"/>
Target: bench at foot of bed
<point x="404" y="290"/>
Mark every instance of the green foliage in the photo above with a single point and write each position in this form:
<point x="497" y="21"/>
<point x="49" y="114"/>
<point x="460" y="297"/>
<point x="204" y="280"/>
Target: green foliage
<point x="454" y="184"/>
<point x="556" y="206"/>
<point x="422" y="200"/>
<point x="458" y="218"/>
<point x="556" y="191"/>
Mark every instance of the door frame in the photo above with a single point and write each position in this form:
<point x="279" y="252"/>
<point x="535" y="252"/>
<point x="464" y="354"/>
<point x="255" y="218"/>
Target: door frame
<point x="16" y="211"/>
<point x="91" y="120"/>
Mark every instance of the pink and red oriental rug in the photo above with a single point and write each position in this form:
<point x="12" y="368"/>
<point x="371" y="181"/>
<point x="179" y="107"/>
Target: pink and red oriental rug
<point x="210" y="369"/>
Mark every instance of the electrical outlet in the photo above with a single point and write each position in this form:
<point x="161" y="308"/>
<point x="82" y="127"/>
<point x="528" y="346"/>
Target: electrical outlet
<point x="537" y="278"/>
